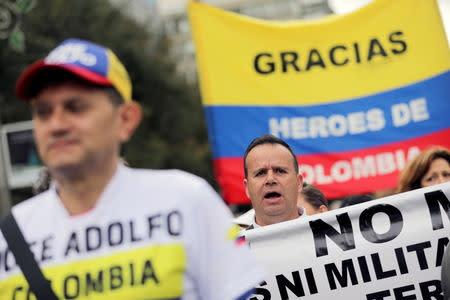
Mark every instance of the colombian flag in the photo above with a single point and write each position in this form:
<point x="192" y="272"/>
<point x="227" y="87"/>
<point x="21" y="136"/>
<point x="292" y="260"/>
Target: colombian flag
<point x="355" y="96"/>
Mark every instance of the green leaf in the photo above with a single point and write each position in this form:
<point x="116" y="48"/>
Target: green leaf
<point x="23" y="6"/>
<point x="17" y="40"/>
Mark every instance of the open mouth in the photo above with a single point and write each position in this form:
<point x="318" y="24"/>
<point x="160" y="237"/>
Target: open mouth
<point x="61" y="143"/>
<point x="271" y="195"/>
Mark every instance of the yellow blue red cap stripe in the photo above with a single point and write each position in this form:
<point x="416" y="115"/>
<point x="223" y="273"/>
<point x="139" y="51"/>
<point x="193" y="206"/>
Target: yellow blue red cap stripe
<point x="84" y="59"/>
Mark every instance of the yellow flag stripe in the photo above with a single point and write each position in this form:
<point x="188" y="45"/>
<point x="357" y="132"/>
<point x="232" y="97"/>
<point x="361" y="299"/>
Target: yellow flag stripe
<point x="386" y="45"/>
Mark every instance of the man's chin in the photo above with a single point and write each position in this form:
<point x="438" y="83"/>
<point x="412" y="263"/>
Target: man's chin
<point x="63" y="168"/>
<point x="274" y="211"/>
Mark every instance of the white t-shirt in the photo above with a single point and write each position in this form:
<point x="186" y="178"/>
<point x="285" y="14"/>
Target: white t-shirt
<point x="248" y="218"/>
<point x="153" y="234"/>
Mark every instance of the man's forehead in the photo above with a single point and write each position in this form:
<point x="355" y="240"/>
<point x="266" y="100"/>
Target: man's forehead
<point x="66" y="89"/>
<point x="272" y="150"/>
<point x="74" y="83"/>
<point x="268" y="156"/>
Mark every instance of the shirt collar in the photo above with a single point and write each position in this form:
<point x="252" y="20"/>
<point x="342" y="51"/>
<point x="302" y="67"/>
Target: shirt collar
<point x="301" y="212"/>
<point x="109" y="190"/>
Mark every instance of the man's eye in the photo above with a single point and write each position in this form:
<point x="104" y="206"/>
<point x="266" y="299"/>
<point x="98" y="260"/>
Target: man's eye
<point x="431" y="178"/>
<point x="42" y="112"/>
<point x="76" y="107"/>
<point x="259" y="173"/>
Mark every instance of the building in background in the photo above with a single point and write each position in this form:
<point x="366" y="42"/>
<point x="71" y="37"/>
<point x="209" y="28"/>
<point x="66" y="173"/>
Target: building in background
<point x="176" y="24"/>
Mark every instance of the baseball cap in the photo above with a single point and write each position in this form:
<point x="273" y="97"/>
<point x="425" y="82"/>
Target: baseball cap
<point x="88" y="61"/>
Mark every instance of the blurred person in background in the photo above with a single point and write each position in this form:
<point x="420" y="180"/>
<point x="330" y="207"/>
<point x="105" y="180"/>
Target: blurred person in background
<point x="355" y="199"/>
<point x="428" y="168"/>
<point x="157" y="233"/>
<point x="312" y="199"/>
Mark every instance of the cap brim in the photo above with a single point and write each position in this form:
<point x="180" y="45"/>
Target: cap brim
<point x="32" y="79"/>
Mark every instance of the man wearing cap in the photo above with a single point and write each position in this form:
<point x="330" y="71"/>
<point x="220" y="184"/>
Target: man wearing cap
<point x="103" y="230"/>
<point x="272" y="181"/>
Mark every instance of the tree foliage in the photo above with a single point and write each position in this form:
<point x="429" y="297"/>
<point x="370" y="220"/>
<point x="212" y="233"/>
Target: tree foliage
<point x="172" y="133"/>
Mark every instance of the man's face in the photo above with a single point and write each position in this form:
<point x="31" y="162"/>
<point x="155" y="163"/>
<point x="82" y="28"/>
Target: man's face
<point x="76" y="127"/>
<point x="272" y="183"/>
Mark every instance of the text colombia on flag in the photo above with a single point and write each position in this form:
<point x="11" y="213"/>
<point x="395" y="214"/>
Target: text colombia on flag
<point x="355" y="96"/>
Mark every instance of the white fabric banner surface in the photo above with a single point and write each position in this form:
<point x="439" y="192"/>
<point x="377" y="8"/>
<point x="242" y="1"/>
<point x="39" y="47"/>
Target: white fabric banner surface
<point x="389" y="248"/>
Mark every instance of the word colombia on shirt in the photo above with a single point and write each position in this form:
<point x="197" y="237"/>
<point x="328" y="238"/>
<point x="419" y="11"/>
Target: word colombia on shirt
<point x="116" y="258"/>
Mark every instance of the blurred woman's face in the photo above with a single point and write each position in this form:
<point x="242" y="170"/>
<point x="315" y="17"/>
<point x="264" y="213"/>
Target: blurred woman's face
<point x="438" y="172"/>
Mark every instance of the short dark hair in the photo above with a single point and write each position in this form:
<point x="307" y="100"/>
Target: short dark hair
<point x="113" y="95"/>
<point x="313" y="195"/>
<point x="355" y="199"/>
<point x="58" y="76"/>
<point x="268" y="139"/>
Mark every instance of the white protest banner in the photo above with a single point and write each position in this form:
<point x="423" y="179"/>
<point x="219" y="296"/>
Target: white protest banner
<point x="389" y="248"/>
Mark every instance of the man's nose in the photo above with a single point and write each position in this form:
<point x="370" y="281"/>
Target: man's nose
<point x="442" y="179"/>
<point x="58" y="122"/>
<point x="270" y="179"/>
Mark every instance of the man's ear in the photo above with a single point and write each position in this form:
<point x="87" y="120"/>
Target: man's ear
<point x="246" y="187"/>
<point x="130" y="117"/>
<point x="300" y="182"/>
<point x="322" y="208"/>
